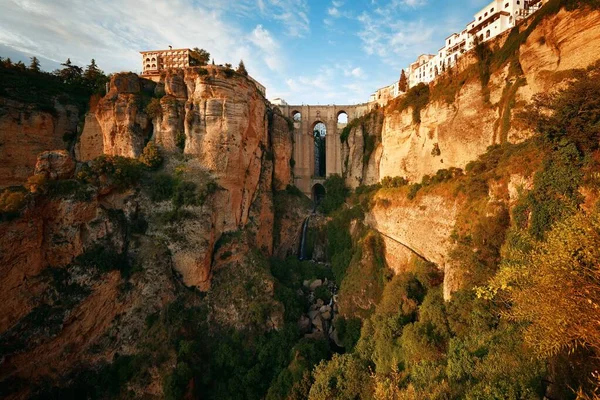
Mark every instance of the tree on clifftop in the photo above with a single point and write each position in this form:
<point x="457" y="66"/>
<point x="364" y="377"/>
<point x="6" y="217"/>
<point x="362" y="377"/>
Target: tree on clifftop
<point x="403" y="84"/>
<point x="34" y="65"/>
<point x="92" y="71"/>
<point x="70" y="73"/>
<point x="200" y="57"/>
<point x="241" y="69"/>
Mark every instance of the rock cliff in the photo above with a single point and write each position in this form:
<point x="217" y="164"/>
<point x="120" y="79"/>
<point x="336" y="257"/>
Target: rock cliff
<point x="25" y="131"/>
<point x="452" y="133"/>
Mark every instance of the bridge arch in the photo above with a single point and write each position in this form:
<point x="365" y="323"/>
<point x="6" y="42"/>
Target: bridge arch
<point x="318" y="193"/>
<point x="342" y="117"/>
<point x="306" y="118"/>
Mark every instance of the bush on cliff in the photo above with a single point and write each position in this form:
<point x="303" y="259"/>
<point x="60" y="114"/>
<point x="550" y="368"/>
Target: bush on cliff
<point x="151" y="156"/>
<point x="336" y="194"/>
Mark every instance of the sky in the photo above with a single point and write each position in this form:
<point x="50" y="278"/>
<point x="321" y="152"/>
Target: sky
<point x="304" y="51"/>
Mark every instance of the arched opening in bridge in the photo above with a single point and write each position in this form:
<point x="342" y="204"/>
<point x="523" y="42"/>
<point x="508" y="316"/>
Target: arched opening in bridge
<point x="342" y="118"/>
<point x="296" y="116"/>
<point x="318" y="193"/>
<point x="319" y="133"/>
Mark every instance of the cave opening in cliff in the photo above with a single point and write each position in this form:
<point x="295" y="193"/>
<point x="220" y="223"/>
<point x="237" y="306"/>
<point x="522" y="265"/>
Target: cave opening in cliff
<point x="318" y="193"/>
<point x="319" y="133"/>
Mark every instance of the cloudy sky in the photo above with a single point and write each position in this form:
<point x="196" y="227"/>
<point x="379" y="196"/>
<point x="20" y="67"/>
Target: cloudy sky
<point x="305" y="51"/>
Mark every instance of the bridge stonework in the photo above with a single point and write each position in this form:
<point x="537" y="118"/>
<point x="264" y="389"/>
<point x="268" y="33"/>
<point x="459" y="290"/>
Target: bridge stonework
<point x="304" y="147"/>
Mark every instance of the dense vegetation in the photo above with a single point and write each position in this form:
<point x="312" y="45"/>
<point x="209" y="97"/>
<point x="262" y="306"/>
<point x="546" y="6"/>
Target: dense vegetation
<point x="69" y="85"/>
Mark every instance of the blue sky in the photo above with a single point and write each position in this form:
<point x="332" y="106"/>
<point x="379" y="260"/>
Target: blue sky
<point x="305" y="51"/>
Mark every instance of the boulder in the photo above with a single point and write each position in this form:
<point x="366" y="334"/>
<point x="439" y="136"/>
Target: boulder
<point x="315" y="284"/>
<point x="304" y="324"/>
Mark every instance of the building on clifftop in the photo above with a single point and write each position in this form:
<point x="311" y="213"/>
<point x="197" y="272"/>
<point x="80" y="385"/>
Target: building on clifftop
<point x="155" y="61"/>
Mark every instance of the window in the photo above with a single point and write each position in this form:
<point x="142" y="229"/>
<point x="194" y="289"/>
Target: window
<point x="506" y="5"/>
<point x="480" y="18"/>
<point x="485" y="15"/>
<point x="492" y="10"/>
<point x="487" y="34"/>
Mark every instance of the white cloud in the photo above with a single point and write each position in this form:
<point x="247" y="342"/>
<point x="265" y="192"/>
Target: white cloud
<point x="269" y="47"/>
<point x="383" y="33"/>
<point x="334" y="12"/>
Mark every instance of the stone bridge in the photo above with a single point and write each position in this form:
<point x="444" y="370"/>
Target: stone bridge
<point x="306" y="118"/>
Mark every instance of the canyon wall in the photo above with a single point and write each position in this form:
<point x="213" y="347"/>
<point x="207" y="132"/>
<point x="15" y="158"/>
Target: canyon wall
<point x="453" y="134"/>
<point x="26" y="131"/>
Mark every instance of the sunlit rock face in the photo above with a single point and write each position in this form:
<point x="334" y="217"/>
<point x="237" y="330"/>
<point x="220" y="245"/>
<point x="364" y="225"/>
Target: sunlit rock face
<point x="218" y="121"/>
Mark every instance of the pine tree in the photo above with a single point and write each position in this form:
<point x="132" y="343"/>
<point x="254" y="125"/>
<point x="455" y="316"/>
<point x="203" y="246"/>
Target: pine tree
<point x="403" y="83"/>
<point x="92" y="71"/>
<point x="70" y="72"/>
<point x="241" y="69"/>
<point x="34" y="65"/>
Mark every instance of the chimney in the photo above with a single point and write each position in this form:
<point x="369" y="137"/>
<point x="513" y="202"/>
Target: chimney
<point x="170" y="47"/>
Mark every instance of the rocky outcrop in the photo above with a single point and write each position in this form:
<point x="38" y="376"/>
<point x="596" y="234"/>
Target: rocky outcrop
<point x="51" y="234"/>
<point x="25" y="132"/>
<point x="362" y="149"/>
<point x="421" y="226"/>
<point x="120" y="114"/>
<point x="219" y="121"/>
<point x="283" y="147"/>
<point x="53" y="165"/>
<point x="566" y="41"/>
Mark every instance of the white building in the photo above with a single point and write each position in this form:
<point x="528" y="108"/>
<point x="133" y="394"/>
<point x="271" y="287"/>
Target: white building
<point x="383" y="95"/>
<point x="422" y="70"/>
<point x="493" y="20"/>
<point x="279" y="102"/>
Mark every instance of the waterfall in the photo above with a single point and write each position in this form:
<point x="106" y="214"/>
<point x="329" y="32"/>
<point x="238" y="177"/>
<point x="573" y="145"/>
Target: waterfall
<point x="303" y="239"/>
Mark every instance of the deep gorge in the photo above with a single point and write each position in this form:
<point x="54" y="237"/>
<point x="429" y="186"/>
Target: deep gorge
<point x="153" y="244"/>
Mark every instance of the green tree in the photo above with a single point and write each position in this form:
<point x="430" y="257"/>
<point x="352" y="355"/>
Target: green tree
<point x="92" y="71"/>
<point x="555" y="287"/>
<point x="70" y="72"/>
<point x="403" y="83"/>
<point x="34" y="65"/>
<point x="345" y="377"/>
<point x="200" y="57"/>
<point x="241" y="69"/>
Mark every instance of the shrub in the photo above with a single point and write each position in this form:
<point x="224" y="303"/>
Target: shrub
<point x="413" y="190"/>
<point x="162" y="187"/>
<point x="336" y="194"/>
<point x="395" y="182"/>
<point x="12" y="200"/>
<point x="151" y="156"/>
<point x="180" y="140"/>
<point x="154" y="109"/>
